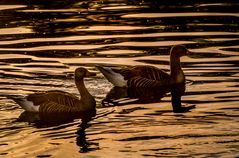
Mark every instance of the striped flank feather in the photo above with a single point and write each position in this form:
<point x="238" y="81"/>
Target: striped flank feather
<point x="58" y="97"/>
<point x="147" y="83"/>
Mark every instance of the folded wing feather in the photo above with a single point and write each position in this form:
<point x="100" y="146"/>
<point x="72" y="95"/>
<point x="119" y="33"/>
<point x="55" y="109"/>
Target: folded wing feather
<point x="55" y="98"/>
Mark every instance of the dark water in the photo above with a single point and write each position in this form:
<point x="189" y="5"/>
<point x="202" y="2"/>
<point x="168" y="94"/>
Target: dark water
<point x="42" y="42"/>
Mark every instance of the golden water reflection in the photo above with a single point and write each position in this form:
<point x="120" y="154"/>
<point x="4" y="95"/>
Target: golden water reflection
<point x="41" y="44"/>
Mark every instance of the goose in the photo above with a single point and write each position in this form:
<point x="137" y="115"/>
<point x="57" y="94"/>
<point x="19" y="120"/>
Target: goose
<point x="56" y="101"/>
<point x="146" y="75"/>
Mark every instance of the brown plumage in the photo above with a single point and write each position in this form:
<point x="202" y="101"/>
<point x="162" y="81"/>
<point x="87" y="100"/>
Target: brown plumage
<point x="59" y="101"/>
<point x="148" y="76"/>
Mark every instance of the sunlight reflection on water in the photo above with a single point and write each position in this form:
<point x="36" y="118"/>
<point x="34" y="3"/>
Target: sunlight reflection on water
<point x="42" y="43"/>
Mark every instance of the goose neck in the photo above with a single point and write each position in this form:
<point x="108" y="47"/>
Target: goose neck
<point x="176" y="71"/>
<point x="81" y="87"/>
<point x="87" y="101"/>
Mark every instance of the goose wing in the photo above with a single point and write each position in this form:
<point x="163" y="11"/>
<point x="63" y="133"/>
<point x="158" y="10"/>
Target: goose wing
<point x="56" y="97"/>
<point x="151" y="72"/>
<point x="56" y="107"/>
<point x="148" y="72"/>
<point x="139" y="81"/>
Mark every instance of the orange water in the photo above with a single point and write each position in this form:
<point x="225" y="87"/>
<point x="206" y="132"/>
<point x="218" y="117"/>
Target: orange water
<point x="41" y="43"/>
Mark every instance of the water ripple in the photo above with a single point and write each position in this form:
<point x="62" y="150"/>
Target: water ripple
<point x="42" y="43"/>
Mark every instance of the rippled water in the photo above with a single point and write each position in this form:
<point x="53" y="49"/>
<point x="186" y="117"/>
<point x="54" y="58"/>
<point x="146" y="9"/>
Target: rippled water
<point x="42" y="42"/>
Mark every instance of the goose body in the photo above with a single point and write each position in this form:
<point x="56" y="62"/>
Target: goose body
<point x="148" y="76"/>
<point x="60" y="101"/>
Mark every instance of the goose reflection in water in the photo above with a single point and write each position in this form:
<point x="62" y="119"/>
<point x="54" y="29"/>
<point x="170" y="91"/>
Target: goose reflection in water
<point x="54" y="119"/>
<point x="118" y="96"/>
<point x="58" y="120"/>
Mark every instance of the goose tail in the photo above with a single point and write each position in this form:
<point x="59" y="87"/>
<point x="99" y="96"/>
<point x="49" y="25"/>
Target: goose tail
<point x="25" y="104"/>
<point x="115" y="78"/>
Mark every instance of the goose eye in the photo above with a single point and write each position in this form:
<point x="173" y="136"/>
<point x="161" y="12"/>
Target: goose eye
<point x="182" y="49"/>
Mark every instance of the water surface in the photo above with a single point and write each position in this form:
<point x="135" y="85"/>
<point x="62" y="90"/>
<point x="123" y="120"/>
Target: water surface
<point x="42" y="42"/>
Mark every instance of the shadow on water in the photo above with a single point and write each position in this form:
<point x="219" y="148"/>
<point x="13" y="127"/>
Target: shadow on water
<point x="118" y="96"/>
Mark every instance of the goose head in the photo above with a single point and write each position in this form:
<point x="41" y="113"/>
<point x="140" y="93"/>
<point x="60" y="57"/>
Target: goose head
<point x="81" y="72"/>
<point x="179" y="51"/>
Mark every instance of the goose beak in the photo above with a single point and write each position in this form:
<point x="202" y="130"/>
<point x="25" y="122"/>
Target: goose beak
<point x="189" y="53"/>
<point x="90" y="74"/>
